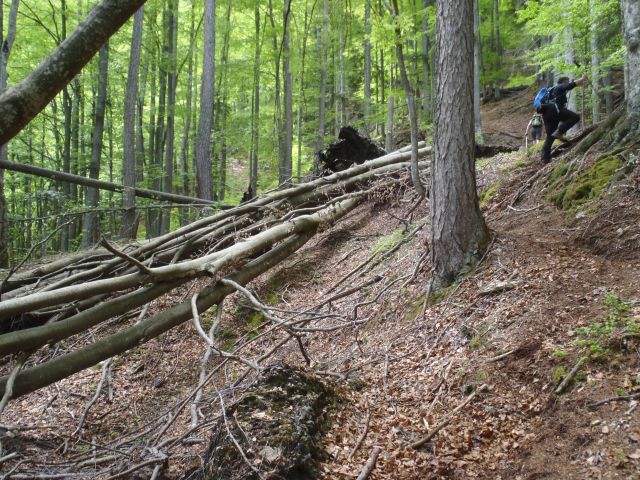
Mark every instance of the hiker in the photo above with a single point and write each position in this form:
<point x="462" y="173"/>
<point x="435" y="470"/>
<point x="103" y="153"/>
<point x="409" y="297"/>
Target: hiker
<point x="535" y="126"/>
<point x="558" y="119"/>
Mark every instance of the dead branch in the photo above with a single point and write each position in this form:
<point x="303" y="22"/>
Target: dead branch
<point x="106" y="369"/>
<point x="443" y="423"/>
<point x="139" y="265"/>
<point x="572" y="373"/>
<point x="362" y="436"/>
<point x="620" y="398"/>
<point x="370" y="465"/>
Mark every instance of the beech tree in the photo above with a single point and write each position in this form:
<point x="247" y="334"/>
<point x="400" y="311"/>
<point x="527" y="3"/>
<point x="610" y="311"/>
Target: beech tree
<point x="458" y="232"/>
<point x="631" y="16"/>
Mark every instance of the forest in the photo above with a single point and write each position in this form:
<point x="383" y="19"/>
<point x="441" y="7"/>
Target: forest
<point x="319" y="239"/>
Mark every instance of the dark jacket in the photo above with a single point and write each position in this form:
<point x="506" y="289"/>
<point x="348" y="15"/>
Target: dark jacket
<point x="559" y="93"/>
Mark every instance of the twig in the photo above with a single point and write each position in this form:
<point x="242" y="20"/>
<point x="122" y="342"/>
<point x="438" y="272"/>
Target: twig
<point x="567" y="380"/>
<point x="8" y="392"/>
<point x="621" y="398"/>
<point x="106" y="367"/>
<point x="233" y="439"/>
<point x="370" y="465"/>
<point x="363" y="436"/>
<point x="447" y="419"/>
<point x="203" y="366"/>
<point x="139" y="265"/>
<point x="499" y="357"/>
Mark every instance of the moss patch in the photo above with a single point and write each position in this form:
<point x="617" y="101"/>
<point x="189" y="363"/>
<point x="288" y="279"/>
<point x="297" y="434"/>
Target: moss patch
<point x="487" y="193"/>
<point x="278" y="423"/>
<point x="568" y="192"/>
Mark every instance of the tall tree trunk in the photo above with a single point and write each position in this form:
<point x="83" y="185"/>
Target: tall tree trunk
<point x="129" y="224"/>
<point x="7" y="44"/>
<point x="23" y="102"/>
<point x="426" y="83"/>
<point x="255" y="111"/>
<point x="323" y="76"/>
<point x="204" y="188"/>
<point x="286" y="162"/>
<point x="608" y="94"/>
<point x="459" y="234"/>
<point x="631" y="17"/>
<point x="388" y="139"/>
<point x="367" y="65"/>
<point x="595" y="66"/>
<point x="184" y="147"/>
<point x="91" y="225"/>
<point x="413" y="117"/>
<point x="476" y="71"/>
<point x="172" y="75"/>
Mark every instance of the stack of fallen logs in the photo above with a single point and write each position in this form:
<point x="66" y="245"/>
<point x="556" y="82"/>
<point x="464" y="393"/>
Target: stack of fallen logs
<point x="229" y="248"/>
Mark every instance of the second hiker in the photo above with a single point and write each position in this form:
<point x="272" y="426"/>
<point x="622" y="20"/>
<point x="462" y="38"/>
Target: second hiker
<point x="535" y="127"/>
<point x="558" y="119"/>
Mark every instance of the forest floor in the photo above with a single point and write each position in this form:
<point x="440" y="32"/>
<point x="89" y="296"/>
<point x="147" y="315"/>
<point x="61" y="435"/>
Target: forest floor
<point x="554" y="287"/>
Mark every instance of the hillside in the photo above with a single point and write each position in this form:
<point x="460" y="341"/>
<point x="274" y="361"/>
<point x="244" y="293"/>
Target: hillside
<point x="557" y="288"/>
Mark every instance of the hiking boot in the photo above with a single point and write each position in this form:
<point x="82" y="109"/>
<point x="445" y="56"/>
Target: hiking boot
<point x="560" y="136"/>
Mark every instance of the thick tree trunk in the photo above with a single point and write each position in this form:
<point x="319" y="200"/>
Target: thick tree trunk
<point x="90" y="224"/>
<point x="459" y="234"/>
<point x="595" y="66"/>
<point x="204" y="188"/>
<point x="129" y="224"/>
<point x="631" y="17"/>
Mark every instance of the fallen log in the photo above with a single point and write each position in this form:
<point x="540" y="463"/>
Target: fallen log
<point x="102" y="185"/>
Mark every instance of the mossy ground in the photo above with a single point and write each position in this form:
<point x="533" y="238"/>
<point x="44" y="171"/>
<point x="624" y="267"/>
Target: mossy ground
<point x="569" y="190"/>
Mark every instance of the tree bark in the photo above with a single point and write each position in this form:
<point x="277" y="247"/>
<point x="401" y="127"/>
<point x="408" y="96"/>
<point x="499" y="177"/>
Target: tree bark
<point x="459" y="234"/>
<point x="255" y="113"/>
<point x="476" y="71"/>
<point x="367" y="65"/>
<point x="204" y="183"/>
<point x="25" y="100"/>
<point x="129" y="224"/>
<point x="7" y="44"/>
<point x="631" y="18"/>
<point x="426" y="83"/>
<point x="90" y="182"/>
<point x="323" y="77"/>
<point x="184" y="147"/>
<point x="90" y="221"/>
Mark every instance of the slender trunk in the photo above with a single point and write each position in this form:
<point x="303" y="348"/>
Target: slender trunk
<point x="367" y="64"/>
<point x="204" y="188"/>
<point x="426" y="83"/>
<point x="129" y="229"/>
<point x="413" y="117"/>
<point x="595" y="66"/>
<point x="285" y="171"/>
<point x="7" y="44"/>
<point x="476" y="72"/>
<point x="165" y="223"/>
<point x="255" y="114"/>
<point x="184" y="147"/>
<point x="388" y="140"/>
<point x="608" y="94"/>
<point x="91" y="221"/>
<point x="323" y="76"/>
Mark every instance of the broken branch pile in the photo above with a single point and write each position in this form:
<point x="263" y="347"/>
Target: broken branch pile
<point x="67" y="297"/>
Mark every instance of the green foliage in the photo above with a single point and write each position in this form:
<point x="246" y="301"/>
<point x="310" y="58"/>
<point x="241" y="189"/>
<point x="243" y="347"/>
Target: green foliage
<point x="487" y="193"/>
<point x="599" y="338"/>
<point x="387" y="242"/>
<point x="569" y="191"/>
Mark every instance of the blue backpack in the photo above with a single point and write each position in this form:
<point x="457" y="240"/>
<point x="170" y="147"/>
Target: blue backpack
<point x="543" y="97"/>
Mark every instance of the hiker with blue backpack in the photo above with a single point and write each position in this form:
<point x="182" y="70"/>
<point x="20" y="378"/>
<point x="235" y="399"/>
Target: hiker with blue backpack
<point x="558" y="119"/>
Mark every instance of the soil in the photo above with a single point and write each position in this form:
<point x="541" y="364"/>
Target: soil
<point x="515" y="326"/>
